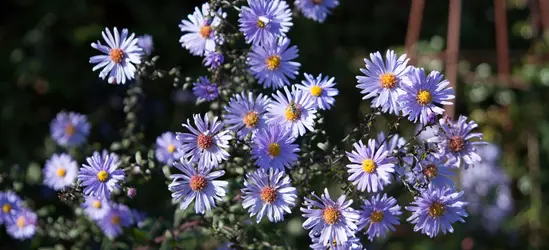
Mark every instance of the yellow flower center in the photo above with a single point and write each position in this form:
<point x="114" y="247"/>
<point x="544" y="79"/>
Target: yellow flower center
<point x="6" y="208"/>
<point x="268" y="195"/>
<point x="116" y="55"/>
<point x="424" y="97"/>
<point x="260" y="24"/>
<point x="171" y="148"/>
<point x="456" y="143"/>
<point x="436" y="210"/>
<point x="330" y="215"/>
<point x="292" y="112"/>
<point x="388" y="80"/>
<point x="96" y="204"/>
<point x="316" y="91"/>
<point x="197" y="183"/>
<point x="430" y="170"/>
<point x="369" y="166"/>
<point x="274" y="149"/>
<point x="204" y="141"/>
<point x="376" y="216"/>
<point x="115" y="220"/>
<point x="61" y="172"/>
<point x="251" y="119"/>
<point x="205" y="31"/>
<point x="21" y="221"/>
<point x="273" y="62"/>
<point x="102" y="176"/>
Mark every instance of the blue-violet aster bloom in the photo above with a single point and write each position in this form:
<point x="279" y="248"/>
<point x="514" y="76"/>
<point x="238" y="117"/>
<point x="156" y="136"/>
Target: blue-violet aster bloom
<point x="10" y="204"/>
<point x="139" y="218"/>
<point x="213" y="59"/>
<point x="145" y="42"/>
<point x="273" y="147"/>
<point x="117" y="217"/>
<point x="295" y="111"/>
<point x="268" y="193"/>
<point x="320" y="89"/>
<point x="205" y="90"/>
<point x="383" y="80"/>
<point x="334" y="220"/>
<point x="379" y="215"/>
<point x="121" y="56"/>
<point x="167" y="148"/>
<point x="199" y="31"/>
<point x="23" y="226"/>
<point x="457" y="142"/>
<point x="207" y="143"/>
<point x="101" y="175"/>
<point x="198" y="185"/>
<point x="422" y="94"/>
<point x="60" y="171"/>
<point x="271" y="63"/>
<point x="353" y="243"/>
<point x="435" y="210"/>
<point x="433" y="170"/>
<point x="265" y="20"/>
<point x="69" y="129"/>
<point x="96" y="208"/>
<point x="370" y="167"/>
<point x="246" y="113"/>
<point x="317" y="10"/>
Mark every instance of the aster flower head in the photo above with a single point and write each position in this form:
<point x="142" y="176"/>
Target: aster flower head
<point x="145" y="42"/>
<point x="334" y="220"/>
<point x="353" y="243"/>
<point x="205" y="90"/>
<point x="246" y="113"/>
<point x="206" y="143"/>
<point x="379" y="215"/>
<point x="167" y="148"/>
<point x="394" y="141"/>
<point x="199" y="33"/>
<point x="198" y="185"/>
<point x="317" y="10"/>
<point x="213" y="59"/>
<point x="139" y="217"/>
<point x="436" y="209"/>
<point x="265" y="20"/>
<point x="371" y="166"/>
<point x="320" y="89"/>
<point x="117" y="216"/>
<point x="273" y="147"/>
<point x="271" y="63"/>
<point x="95" y="208"/>
<point x="422" y="94"/>
<point x="101" y="175"/>
<point x="294" y="111"/>
<point x="69" y="129"/>
<point x="23" y="226"/>
<point x="433" y="170"/>
<point x="10" y="204"/>
<point x="121" y="56"/>
<point x="60" y="171"/>
<point x="383" y="79"/>
<point x="268" y="193"/>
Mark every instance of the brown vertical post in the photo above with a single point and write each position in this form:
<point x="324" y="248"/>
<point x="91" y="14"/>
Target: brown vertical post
<point x="502" y="45"/>
<point x="452" y="49"/>
<point x="414" y="28"/>
<point x="544" y="11"/>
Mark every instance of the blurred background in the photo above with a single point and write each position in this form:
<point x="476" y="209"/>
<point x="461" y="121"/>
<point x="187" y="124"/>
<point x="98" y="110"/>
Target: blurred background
<point x="501" y="72"/>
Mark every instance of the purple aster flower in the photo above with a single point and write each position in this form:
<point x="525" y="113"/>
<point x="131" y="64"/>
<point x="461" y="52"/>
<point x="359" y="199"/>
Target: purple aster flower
<point x="379" y="215"/>
<point x="435" y="210"/>
<point x="199" y="185"/>
<point x="205" y="90"/>
<point x="265" y="20"/>
<point x="394" y="141"/>
<point x="145" y="42"/>
<point x="199" y="31"/>
<point x="317" y="10"/>
<point x="383" y="80"/>
<point x="95" y="208"/>
<point x="69" y="129"/>
<point x="60" y="171"/>
<point x="246" y="114"/>
<point x="294" y="111"/>
<point x="139" y="217"/>
<point x="432" y="170"/>
<point x="10" y="204"/>
<point x="455" y="141"/>
<point x="370" y="167"/>
<point x="213" y="59"/>
<point x="321" y="90"/>
<point x="121" y="56"/>
<point x="117" y="216"/>
<point x="353" y="243"/>
<point x="268" y="193"/>
<point x="166" y="148"/>
<point x="206" y="143"/>
<point x="23" y="226"/>
<point x="334" y="220"/>
<point x="423" y="93"/>
<point x="101" y="175"/>
<point x="271" y="63"/>
<point x="273" y="147"/>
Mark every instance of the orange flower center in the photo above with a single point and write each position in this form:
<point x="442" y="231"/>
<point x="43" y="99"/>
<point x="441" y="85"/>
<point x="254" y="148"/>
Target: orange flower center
<point x="292" y="112"/>
<point x="273" y="62"/>
<point x="171" y="148"/>
<point x="197" y="183"/>
<point x="96" y="204"/>
<point x="268" y="195"/>
<point x="6" y="208"/>
<point x="251" y="119"/>
<point x="388" y="80"/>
<point x="205" y="31"/>
<point x="456" y="143"/>
<point x="204" y="141"/>
<point x="317" y="2"/>
<point x="436" y="210"/>
<point x="330" y="215"/>
<point x="376" y="216"/>
<point x="430" y="170"/>
<point x="115" y="220"/>
<point x="70" y="129"/>
<point x="21" y="221"/>
<point x="116" y="55"/>
<point x="61" y="172"/>
<point x="274" y="149"/>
